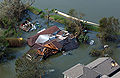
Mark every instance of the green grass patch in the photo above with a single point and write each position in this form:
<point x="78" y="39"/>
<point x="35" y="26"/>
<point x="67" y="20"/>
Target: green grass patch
<point x="34" y="10"/>
<point x="93" y="28"/>
<point x="58" y="18"/>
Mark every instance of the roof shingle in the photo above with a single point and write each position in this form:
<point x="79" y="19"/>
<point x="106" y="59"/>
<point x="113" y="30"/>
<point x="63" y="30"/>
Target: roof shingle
<point x="75" y="71"/>
<point x="31" y="40"/>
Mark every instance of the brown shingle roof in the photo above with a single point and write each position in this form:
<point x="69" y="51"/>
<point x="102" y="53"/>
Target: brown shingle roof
<point x="31" y="40"/>
<point x="50" y="30"/>
<point x="57" y="44"/>
<point x="37" y="46"/>
<point x="60" y="33"/>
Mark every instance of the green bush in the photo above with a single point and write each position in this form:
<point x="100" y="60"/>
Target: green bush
<point x="3" y="43"/>
<point x="102" y="52"/>
<point x="83" y="38"/>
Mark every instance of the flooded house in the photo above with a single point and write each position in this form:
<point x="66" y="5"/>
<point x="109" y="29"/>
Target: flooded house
<point x="52" y="40"/>
<point x="104" y="67"/>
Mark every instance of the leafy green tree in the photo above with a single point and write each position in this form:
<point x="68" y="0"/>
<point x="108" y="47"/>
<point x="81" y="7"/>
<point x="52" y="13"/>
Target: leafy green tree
<point x="109" y="29"/>
<point x="48" y="13"/>
<point x="27" y="68"/>
<point x="83" y="38"/>
<point x="3" y="43"/>
<point x="103" y="52"/>
<point x="76" y="27"/>
<point x="72" y="12"/>
<point x="11" y="11"/>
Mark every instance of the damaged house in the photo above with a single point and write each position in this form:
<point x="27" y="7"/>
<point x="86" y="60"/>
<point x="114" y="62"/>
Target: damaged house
<point x="52" y="40"/>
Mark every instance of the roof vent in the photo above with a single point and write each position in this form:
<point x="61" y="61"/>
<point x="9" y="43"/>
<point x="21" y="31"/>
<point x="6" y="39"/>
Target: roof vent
<point x="114" y="64"/>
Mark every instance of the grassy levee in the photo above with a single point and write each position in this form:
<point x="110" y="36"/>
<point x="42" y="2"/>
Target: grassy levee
<point x="34" y="10"/>
<point x="62" y="20"/>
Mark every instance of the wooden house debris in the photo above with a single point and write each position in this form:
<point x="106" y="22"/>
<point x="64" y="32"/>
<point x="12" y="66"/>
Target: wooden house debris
<point x="52" y="40"/>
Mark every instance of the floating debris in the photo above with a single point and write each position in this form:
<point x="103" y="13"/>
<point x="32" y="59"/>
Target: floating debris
<point x="51" y="70"/>
<point x="29" y="26"/>
<point x="106" y="46"/>
<point x="66" y="53"/>
<point x="92" y="42"/>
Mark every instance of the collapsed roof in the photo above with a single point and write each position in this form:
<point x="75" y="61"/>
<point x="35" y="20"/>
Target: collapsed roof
<point x="43" y="35"/>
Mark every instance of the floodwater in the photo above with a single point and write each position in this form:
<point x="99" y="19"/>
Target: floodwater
<point x="94" y="10"/>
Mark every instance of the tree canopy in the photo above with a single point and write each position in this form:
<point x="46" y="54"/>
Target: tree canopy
<point x="76" y="27"/>
<point x="11" y="11"/>
<point x="33" y="68"/>
<point x="109" y="28"/>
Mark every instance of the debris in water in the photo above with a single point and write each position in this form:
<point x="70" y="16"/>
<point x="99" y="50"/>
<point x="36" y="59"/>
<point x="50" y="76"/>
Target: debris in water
<point x="51" y="70"/>
<point x="66" y="53"/>
<point x="106" y="46"/>
<point x="92" y="42"/>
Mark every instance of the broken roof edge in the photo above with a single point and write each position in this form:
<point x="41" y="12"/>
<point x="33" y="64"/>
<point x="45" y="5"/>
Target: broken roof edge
<point x="31" y="40"/>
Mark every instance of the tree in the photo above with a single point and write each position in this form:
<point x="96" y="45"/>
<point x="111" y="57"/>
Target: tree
<point x="76" y="27"/>
<point x="72" y="12"/>
<point x="26" y="68"/>
<point x="48" y="12"/>
<point x="3" y="43"/>
<point x="11" y="11"/>
<point x="109" y="29"/>
<point x="103" y="52"/>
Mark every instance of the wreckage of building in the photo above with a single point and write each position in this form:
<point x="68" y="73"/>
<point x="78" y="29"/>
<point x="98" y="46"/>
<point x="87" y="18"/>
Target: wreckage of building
<point x="51" y="41"/>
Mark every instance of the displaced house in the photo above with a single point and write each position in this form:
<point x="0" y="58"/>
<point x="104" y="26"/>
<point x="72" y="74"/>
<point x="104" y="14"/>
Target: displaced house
<point x="104" y="67"/>
<point x="52" y="40"/>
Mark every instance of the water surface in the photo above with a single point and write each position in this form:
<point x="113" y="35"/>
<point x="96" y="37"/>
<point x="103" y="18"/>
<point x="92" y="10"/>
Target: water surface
<point x="94" y="10"/>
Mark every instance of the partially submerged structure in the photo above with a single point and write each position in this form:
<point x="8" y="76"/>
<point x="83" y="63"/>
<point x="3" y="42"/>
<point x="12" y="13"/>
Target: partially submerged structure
<point x="15" y="42"/>
<point x="28" y="26"/>
<point x="52" y="40"/>
<point x="104" y="67"/>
